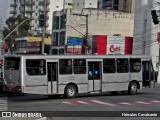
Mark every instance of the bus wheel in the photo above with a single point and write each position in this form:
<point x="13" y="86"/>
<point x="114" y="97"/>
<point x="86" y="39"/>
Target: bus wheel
<point x="132" y="89"/>
<point x="70" y="91"/>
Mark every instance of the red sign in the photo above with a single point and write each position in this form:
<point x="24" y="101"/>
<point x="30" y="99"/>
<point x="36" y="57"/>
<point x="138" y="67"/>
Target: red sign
<point x="114" y="48"/>
<point x="158" y="37"/>
<point x="5" y="47"/>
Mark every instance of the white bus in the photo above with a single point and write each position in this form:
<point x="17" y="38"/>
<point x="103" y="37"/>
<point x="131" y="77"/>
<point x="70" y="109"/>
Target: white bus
<point x="72" y="74"/>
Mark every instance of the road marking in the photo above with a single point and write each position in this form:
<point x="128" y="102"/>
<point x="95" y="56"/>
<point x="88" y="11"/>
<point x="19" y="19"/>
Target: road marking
<point x="155" y="101"/>
<point x="3" y="103"/>
<point x="140" y="102"/>
<point x="103" y="103"/>
<point x="44" y="118"/>
<point x="82" y="102"/>
<point x="68" y="103"/>
<point x="125" y="103"/>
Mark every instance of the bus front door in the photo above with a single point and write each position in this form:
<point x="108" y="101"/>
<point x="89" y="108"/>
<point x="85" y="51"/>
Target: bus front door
<point x="94" y="76"/>
<point x="52" y="76"/>
<point x="147" y="74"/>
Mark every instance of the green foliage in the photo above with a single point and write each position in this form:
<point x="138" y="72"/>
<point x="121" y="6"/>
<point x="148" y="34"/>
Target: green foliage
<point x="12" y="22"/>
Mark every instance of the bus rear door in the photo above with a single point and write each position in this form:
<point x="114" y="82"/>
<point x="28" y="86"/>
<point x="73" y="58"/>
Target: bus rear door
<point x="148" y="78"/>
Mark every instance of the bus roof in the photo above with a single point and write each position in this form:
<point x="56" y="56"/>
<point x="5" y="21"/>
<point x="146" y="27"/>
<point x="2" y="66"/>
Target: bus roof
<point x="78" y="56"/>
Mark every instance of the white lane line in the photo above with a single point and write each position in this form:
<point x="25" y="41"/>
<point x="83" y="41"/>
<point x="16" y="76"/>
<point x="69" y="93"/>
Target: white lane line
<point x="140" y="102"/>
<point x="125" y="103"/>
<point x="103" y="103"/>
<point x="155" y="101"/>
<point x="68" y="103"/>
<point x="44" y="118"/>
<point x="82" y="102"/>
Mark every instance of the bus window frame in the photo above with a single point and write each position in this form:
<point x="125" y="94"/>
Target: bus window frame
<point x="136" y="65"/>
<point x="36" y="72"/>
<point x="119" y="67"/>
<point x="80" y="66"/>
<point x="65" y="68"/>
<point x="109" y="66"/>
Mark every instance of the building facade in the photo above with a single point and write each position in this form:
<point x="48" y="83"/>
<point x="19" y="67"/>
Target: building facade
<point x="120" y="5"/>
<point x="145" y="31"/>
<point x="31" y="9"/>
<point x="100" y="22"/>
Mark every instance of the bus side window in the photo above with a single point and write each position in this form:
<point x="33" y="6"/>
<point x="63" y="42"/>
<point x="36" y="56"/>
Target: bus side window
<point x="135" y="65"/>
<point x="35" y="67"/>
<point x="79" y="66"/>
<point x="122" y="65"/>
<point x="65" y="66"/>
<point x="109" y="66"/>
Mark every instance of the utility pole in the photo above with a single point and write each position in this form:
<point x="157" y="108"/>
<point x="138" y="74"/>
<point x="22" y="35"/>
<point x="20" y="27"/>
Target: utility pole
<point x="1" y="24"/>
<point x="86" y="47"/>
<point x="44" y="29"/>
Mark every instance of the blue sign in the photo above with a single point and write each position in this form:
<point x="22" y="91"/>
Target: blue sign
<point x="74" y="41"/>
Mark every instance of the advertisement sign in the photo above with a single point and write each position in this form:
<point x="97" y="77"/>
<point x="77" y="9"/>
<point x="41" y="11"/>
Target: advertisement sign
<point x="115" y="45"/>
<point x="74" y="41"/>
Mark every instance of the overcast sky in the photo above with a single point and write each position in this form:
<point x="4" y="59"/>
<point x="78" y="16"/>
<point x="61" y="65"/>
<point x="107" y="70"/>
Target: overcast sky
<point x="4" y="9"/>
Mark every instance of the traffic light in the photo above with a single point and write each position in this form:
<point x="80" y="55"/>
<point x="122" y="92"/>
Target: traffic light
<point x="42" y="20"/>
<point x="155" y="17"/>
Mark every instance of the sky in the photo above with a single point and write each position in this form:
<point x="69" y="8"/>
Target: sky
<point x="4" y="9"/>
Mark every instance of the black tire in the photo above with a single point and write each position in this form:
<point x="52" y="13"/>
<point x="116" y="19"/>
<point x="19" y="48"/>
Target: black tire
<point x="132" y="89"/>
<point x="70" y="91"/>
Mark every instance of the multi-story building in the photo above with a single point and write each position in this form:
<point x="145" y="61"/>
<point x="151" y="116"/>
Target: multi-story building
<point x="32" y="9"/>
<point x="120" y="5"/>
<point x="80" y="4"/>
<point x="100" y="22"/>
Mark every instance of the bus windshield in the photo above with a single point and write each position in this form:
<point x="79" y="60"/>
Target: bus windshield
<point x="12" y="63"/>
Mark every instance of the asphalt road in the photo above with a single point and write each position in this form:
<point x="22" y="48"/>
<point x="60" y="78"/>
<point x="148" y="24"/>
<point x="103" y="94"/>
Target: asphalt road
<point x="92" y="106"/>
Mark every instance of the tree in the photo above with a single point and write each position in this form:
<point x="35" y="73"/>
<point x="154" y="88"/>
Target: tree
<point x="22" y="31"/>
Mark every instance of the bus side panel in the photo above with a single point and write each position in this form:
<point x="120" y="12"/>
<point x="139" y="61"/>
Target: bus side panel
<point x="79" y="80"/>
<point x="137" y="77"/>
<point x="115" y="82"/>
<point x="35" y="85"/>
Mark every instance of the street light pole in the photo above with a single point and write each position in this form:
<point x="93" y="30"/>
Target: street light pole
<point x="15" y="29"/>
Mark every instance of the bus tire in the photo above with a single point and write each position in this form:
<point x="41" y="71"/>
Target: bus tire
<point x="70" y="91"/>
<point x="132" y="89"/>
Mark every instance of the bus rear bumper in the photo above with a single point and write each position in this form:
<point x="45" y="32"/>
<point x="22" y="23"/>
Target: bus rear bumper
<point x="15" y="90"/>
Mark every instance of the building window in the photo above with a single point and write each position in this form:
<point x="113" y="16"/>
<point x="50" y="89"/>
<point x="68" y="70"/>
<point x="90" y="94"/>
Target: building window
<point x="55" y="39"/>
<point x="90" y="3"/>
<point x="63" y="21"/>
<point x="56" y="22"/>
<point x="77" y="4"/>
<point x="57" y="6"/>
<point x="62" y="38"/>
